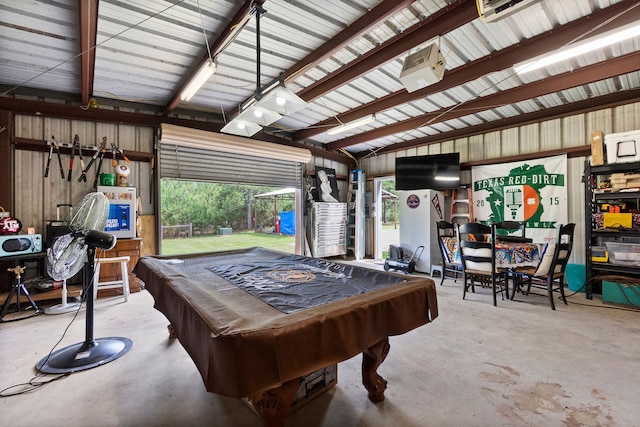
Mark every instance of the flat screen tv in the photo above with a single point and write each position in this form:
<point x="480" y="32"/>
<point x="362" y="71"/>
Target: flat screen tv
<point x="435" y="172"/>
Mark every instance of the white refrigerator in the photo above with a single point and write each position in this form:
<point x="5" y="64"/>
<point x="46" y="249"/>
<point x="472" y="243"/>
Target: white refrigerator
<point x="122" y="211"/>
<point x="419" y="210"/>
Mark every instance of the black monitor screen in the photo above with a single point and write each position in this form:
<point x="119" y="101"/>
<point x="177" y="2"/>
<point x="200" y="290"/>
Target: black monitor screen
<point x="436" y="172"/>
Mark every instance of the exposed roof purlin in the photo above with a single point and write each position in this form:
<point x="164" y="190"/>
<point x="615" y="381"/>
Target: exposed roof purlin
<point x="606" y="69"/>
<point x="495" y="62"/>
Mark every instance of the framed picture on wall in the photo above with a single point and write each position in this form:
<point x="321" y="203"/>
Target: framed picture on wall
<point x="327" y="185"/>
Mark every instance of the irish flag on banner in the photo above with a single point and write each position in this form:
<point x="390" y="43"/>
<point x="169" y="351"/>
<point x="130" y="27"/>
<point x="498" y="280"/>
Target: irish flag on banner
<point x="534" y="191"/>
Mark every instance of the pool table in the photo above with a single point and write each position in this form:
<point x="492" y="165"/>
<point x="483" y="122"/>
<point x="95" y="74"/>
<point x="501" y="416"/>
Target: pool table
<point x="254" y="320"/>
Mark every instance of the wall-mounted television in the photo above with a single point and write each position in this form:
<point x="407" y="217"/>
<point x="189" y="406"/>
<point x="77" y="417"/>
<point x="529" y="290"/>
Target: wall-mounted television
<point x="435" y="172"/>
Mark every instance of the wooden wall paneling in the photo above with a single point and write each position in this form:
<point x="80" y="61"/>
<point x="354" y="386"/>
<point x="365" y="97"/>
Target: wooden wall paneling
<point x="488" y="149"/>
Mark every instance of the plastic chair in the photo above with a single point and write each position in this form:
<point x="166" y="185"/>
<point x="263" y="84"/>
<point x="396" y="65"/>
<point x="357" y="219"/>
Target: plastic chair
<point x="550" y="270"/>
<point x="447" y="241"/>
<point x="477" y="252"/>
<point x="123" y="283"/>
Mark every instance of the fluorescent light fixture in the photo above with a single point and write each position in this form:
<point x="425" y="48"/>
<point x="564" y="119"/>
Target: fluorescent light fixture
<point x="571" y="51"/>
<point x="282" y="100"/>
<point x="201" y="77"/>
<point x="241" y="127"/>
<point x="258" y="115"/>
<point x="352" y="125"/>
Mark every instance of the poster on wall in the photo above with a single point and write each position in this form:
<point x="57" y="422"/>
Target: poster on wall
<point x="326" y="185"/>
<point x="533" y="191"/>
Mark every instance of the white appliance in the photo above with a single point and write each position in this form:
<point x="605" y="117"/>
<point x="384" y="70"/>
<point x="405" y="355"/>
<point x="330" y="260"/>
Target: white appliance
<point x="494" y="10"/>
<point x="419" y="210"/>
<point x="423" y="68"/>
<point x="122" y="211"/>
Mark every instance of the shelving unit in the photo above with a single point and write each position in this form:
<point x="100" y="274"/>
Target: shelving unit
<point x="595" y="234"/>
<point x="355" y="215"/>
<point x="461" y="206"/>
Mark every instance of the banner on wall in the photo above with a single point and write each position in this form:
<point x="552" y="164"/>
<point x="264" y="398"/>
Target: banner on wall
<point x="533" y="191"/>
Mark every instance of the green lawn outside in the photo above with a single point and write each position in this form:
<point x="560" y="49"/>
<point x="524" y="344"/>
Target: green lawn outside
<point x="284" y="243"/>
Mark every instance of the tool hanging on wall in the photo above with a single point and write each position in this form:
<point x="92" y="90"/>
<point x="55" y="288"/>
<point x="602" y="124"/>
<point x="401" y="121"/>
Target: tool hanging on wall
<point x="83" y="177"/>
<point x="114" y="150"/>
<point x="54" y="146"/>
<point x="103" y="149"/>
<point x="76" y="146"/>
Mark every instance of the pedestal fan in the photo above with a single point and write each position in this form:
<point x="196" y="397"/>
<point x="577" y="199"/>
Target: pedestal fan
<point x="68" y="254"/>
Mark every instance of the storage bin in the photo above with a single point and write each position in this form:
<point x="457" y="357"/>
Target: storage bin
<point x="576" y="275"/>
<point x="621" y="293"/>
<point x="624" y="253"/>
<point x="623" y="147"/>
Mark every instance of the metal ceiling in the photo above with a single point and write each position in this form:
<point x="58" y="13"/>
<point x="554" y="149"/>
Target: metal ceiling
<point x="343" y="57"/>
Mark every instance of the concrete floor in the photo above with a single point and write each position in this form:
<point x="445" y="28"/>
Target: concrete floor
<point x="518" y="364"/>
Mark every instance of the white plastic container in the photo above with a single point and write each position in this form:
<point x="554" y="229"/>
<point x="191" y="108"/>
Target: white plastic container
<point x="623" y="147"/>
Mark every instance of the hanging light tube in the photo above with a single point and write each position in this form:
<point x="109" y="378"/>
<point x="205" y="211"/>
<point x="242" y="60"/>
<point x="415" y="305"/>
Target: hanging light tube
<point x="352" y="125"/>
<point x="201" y="77"/>
<point x="576" y="49"/>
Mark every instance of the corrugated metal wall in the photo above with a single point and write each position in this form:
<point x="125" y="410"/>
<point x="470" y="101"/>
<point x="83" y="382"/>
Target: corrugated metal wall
<point x="549" y="135"/>
<point x="36" y="197"/>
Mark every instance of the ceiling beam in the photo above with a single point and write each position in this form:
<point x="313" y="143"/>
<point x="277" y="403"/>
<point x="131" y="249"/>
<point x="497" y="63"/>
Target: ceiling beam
<point x="494" y="62"/>
<point x="88" y="33"/>
<point x="74" y="112"/>
<point x="581" y="107"/>
<point x="445" y="20"/>
<point x="216" y="47"/>
<point x="604" y="70"/>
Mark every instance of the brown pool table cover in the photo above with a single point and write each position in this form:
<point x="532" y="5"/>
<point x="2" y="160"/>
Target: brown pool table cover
<point x="241" y="345"/>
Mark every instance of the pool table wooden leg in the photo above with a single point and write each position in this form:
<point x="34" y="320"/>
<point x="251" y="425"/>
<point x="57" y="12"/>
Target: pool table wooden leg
<point x="273" y="405"/>
<point x="371" y="359"/>
<point x="172" y="331"/>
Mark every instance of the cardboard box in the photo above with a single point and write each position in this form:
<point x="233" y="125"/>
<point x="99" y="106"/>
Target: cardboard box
<point x="621" y="293"/>
<point x="311" y="386"/>
<point x="597" y="148"/>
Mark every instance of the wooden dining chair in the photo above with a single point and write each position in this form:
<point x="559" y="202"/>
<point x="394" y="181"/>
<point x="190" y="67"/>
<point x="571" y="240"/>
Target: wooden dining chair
<point x="477" y="253"/>
<point x="511" y="227"/>
<point x="447" y="242"/>
<point x="549" y="273"/>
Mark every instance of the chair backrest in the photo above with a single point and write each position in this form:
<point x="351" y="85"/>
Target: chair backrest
<point x="447" y="241"/>
<point x="477" y="247"/>
<point x="556" y="255"/>
<point x="509" y="227"/>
